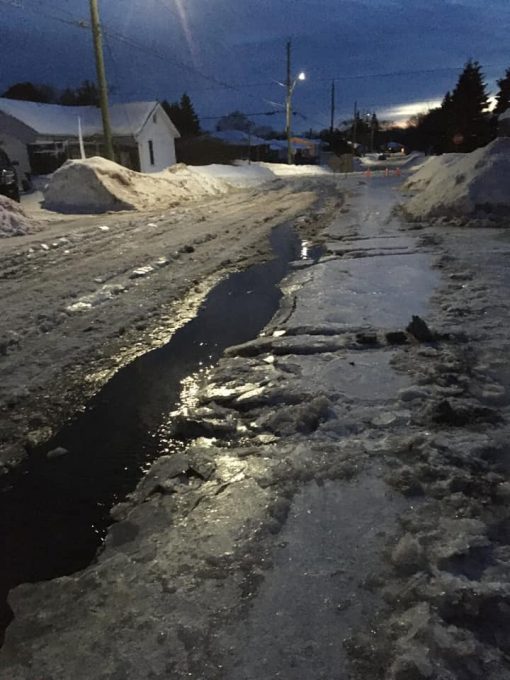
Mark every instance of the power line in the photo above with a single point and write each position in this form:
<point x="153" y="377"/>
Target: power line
<point x="257" y="113"/>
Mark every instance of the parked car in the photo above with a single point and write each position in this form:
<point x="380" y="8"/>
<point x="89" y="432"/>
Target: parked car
<point x="8" y="178"/>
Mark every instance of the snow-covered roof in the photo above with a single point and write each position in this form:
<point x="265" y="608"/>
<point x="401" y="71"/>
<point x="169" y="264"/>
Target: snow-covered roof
<point x="238" y="137"/>
<point x="279" y="144"/>
<point x="62" y="121"/>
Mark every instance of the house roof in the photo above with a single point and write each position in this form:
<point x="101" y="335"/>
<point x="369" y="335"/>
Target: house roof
<point x="238" y="137"/>
<point x="62" y="121"/>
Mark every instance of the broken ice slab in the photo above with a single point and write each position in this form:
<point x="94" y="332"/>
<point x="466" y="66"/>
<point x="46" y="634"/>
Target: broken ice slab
<point x="381" y="291"/>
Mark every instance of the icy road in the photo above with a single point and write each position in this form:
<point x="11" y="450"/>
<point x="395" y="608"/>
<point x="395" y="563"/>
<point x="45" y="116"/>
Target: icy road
<point x="342" y="509"/>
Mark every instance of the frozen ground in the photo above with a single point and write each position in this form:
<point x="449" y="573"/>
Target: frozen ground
<point x="86" y="294"/>
<point x="392" y="161"/>
<point x="343" y="511"/>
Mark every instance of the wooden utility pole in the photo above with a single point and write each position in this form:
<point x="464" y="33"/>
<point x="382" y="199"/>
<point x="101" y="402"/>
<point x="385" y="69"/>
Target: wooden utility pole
<point x="355" y="127"/>
<point x="101" y="79"/>
<point x="332" y="123"/>
<point x="372" y="132"/>
<point x="288" y="106"/>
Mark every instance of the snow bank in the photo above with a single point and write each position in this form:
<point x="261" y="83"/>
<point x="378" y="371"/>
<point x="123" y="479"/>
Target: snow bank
<point x="239" y="176"/>
<point x="424" y="173"/>
<point x="13" y="219"/>
<point x="97" y="185"/>
<point x="463" y="185"/>
<point x="284" y="170"/>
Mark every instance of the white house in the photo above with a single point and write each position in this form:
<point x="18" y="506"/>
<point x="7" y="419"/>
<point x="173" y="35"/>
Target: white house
<point x="42" y="136"/>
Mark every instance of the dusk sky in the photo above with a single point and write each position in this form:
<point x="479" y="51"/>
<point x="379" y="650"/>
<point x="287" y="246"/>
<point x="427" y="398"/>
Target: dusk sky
<point x="392" y="56"/>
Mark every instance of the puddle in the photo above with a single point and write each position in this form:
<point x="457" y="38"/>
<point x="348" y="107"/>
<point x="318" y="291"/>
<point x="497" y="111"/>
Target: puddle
<point x="54" y="512"/>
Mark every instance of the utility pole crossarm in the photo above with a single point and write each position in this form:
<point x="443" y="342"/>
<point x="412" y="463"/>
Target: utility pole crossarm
<point x="101" y="79"/>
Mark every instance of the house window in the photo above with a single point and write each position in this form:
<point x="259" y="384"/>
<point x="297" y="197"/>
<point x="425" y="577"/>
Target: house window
<point x="155" y="118"/>
<point x="151" y="152"/>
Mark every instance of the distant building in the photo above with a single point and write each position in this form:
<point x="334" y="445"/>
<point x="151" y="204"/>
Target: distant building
<point x="40" y="137"/>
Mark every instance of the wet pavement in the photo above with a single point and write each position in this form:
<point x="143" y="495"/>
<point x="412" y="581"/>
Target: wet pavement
<point x="54" y="511"/>
<point x="296" y="506"/>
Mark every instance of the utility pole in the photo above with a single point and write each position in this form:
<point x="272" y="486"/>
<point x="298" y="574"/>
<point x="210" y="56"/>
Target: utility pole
<point x="288" y="106"/>
<point x="332" y="124"/>
<point x="372" y="132"/>
<point x="354" y="127"/>
<point x="101" y="79"/>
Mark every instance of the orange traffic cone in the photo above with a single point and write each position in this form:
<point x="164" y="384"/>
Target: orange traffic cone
<point x="397" y="172"/>
<point x="368" y="172"/>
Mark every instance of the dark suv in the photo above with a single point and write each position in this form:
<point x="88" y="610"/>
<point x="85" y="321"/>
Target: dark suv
<point x="8" y="178"/>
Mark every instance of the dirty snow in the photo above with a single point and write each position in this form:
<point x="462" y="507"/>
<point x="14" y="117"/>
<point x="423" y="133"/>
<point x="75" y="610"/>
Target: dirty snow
<point x="371" y="160"/>
<point x="241" y="176"/>
<point x="285" y="170"/>
<point x="13" y="219"/>
<point x="333" y="531"/>
<point x="97" y="185"/>
<point x="111" y="276"/>
<point x="463" y="185"/>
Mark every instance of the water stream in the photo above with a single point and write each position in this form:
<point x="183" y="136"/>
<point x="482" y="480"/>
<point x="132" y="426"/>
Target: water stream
<point x="54" y="512"/>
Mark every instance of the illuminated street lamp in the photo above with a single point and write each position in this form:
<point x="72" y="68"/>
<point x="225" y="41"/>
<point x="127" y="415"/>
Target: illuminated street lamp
<point x="290" y="84"/>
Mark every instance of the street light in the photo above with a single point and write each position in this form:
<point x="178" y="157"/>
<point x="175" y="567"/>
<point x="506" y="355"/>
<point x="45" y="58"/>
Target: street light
<point x="290" y="84"/>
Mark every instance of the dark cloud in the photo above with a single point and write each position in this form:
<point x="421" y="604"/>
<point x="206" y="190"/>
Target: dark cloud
<point x="159" y="48"/>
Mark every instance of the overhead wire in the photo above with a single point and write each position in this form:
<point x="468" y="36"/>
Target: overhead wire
<point x="217" y="83"/>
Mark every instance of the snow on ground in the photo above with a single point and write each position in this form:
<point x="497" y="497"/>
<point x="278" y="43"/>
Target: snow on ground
<point x="13" y="219"/>
<point x="356" y="477"/>
<point x="423" y="174"/>
<point x="97" y="185"/>
<point x="396" y="161"/>
<point x="243" y="176"/>
<point x="472" y="185"/>
<point x="284" y="170"/>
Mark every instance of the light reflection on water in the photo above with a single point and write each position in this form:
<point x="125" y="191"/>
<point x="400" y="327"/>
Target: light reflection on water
<point x="53" y="513"/>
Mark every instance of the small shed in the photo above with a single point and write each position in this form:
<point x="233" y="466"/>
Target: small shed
<point x="43" y="136"/>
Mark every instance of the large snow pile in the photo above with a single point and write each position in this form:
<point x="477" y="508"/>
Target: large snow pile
<point x="13" y="220"/>
<point x="97" y="185"/>
<point x="424" y="173"/>
<point x="240" y="176"/>
<point x="285" y="170"/>
<point x="475" y="184"/>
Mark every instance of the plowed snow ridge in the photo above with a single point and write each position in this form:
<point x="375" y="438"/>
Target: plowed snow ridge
<point x="463" y="185"/>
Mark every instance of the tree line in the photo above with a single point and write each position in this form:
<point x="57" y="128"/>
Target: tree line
<point x="86" y="94"/>
<point x="463" y="122"/>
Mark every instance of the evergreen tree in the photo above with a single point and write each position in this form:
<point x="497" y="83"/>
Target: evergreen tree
<point x="30" y="92"/>
<point x="87" y="94"/>
<point x="183" y="116"/>
<point x="68" y="97"/>
<point x="84" y="95"/>
<point x="503" y="95"/>
<point x="236" y="120"/>
<point x="466" y="111"/>
<point x="191" y="124"/>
